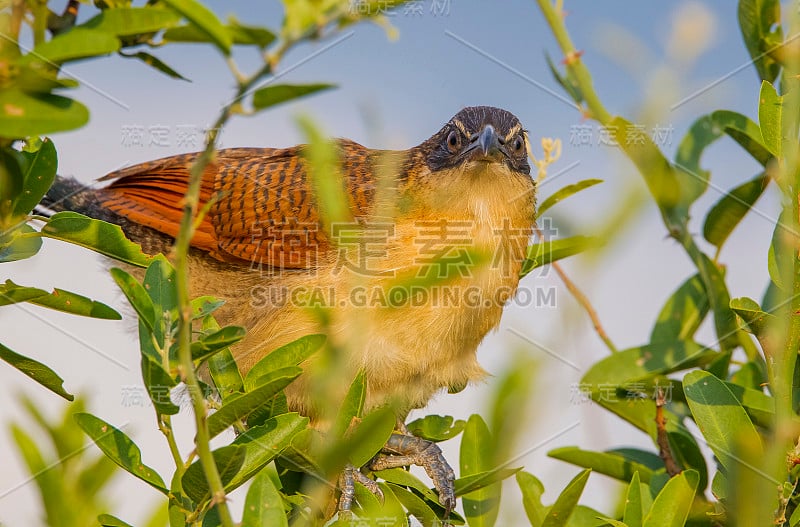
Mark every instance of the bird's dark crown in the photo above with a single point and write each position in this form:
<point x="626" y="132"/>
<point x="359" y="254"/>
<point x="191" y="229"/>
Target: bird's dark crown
<point x="454" y="144"/>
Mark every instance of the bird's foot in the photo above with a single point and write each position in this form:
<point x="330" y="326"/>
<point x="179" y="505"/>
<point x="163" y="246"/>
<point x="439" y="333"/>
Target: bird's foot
<point x="347" y="485"/>
<point x="403" y="450"/>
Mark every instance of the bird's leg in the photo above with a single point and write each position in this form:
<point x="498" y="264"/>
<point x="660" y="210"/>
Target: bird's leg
<point x="347" y="485"/>
<point x="403" y="449"/>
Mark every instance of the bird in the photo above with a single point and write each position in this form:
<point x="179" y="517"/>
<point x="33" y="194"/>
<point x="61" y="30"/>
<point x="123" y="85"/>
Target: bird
<point x="459" y="206"/>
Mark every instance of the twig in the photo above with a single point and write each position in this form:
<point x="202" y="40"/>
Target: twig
<point x="662" y="439"/>
<point x="582" y="299"/>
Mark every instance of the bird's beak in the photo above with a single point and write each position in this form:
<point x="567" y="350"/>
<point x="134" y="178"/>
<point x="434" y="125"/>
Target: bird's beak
<point x="486" y="145"/>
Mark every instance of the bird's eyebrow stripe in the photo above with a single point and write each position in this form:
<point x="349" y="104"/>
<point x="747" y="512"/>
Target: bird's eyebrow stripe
<point x="461" y="127"/>
<point x="511" y="133"/>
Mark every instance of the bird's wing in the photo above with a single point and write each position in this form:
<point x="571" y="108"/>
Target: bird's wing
<point x="261" y="207"/>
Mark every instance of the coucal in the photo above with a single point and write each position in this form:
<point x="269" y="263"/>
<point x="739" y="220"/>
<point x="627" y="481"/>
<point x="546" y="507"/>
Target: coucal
<point x="459" y="206"/>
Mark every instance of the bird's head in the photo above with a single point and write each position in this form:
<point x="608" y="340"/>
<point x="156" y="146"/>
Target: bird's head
<point x="478" y="137"/>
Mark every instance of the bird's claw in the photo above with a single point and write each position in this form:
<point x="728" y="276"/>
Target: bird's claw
<point x="347" y="485"/>
<point x="404" y="450"/>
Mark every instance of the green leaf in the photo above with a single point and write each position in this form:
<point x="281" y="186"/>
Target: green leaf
<point x="755" y="319"/>
<point x="634" y="511"/>
<point x="770" y="117"/>
<point x="726" y="214"/>
<point x="77" y="43"/>
<point x="120" y="449"/>
<point x="27" y="114"/>
<point x="36" y="371"/>
<point x="129" y="21"/>
<point x="477" y="447"/>
<point x="405" y="478"/>
<point x="480" y="480"/>
<point x="436" y="427"/>
<point x="211" y="343"/>
<point x="565" y="192"/>
<point x="228" y="459"/>
<point x="683" y="313"/>
<point x="38" y="172"/>
<point x="613" y="463"/>
<point x="225" y="373"/>
<point x="663" y="181"/>
<point x="532" y="490"/>
<point x="565" y="504"/>
<point x="369" y="436"/>
<point x="19" y="243"/>
<point x="264" y="443"/>
<point x="352" y="406"/>
<point x="263" y="505"/>
<point x="100" y="236"/>
<point x="291" y="354"/>
<point x="58" y="300"/>
<point x="415" y="505"/>
<point x="240" y="34"/>
<point x="239" y="406"/>
<point x="274" y="95"/>
<point x="744" y="131"/>
<point x="76" y="304"/>
<point x="544" y="253"/>
<point x="646" y="362"/>
<point x="672" y="505"/>
<point x="568" y="81"/>
<point x="137" y="296"/>
<point x="11" y="293"/>
<point x="106" y="520"/>
<point x="205" y="20"/>
<point x="719" y="416"/>
<point x="158" y="383"/>
<point x="155" y="62"/>
<point x="756" y="19"/>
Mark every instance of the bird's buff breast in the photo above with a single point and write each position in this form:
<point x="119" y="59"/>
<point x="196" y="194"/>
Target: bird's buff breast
<point x="409" y="303"/>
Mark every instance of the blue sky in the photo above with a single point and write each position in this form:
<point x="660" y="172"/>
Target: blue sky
<point x="394" y="94"/>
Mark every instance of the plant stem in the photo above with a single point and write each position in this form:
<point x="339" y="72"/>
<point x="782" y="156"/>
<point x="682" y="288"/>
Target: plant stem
<point x="573" y="62"/>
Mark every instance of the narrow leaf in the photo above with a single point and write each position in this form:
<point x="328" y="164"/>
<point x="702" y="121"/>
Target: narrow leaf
<point x="681" y="316"/>
<point x="39" y="172"/>
<point x="156" y="63"/>
<point x="137" y="296"/>
<point x="770" y="117"/>
<point x="25" y="114"/>
<point x="565" y="192"/>
<point x="120" y="449"/>
<point x="726" y="214"/>
<point x="36" y="371"/>
<point x="97" y="235"/>
<point x="228" y="459"/>
<point x="281" y="93"/>
<point x="718" y="415"/>
<point x="291" y="354"/>
<point x="567" y="501"/>
<point x="532" y="490"/>
<point x="544" y="253"/>
<point x="634" y="512"/>
<point x="205" y="20"/>
<point x="352" y="406"/>
<point x="77" y="43"/>
<point x="239" y="406"/>
<point x="672" y="505"/>
<point x="614" y="463"/>
<point x="263" y="506"/>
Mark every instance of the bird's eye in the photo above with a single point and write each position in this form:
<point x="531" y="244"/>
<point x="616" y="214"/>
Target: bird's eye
<point x="453" y="141"/>
<point x="518" y="144"/>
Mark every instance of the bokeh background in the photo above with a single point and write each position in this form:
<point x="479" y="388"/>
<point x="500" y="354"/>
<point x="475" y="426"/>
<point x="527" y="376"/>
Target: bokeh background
<point x="660" y="64"/>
